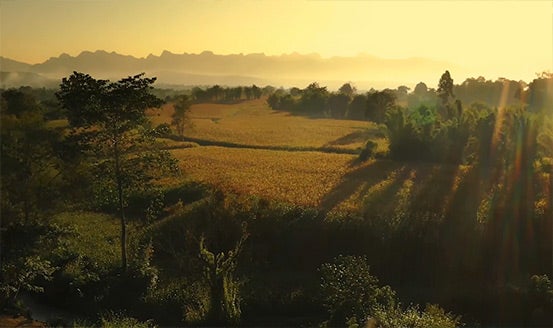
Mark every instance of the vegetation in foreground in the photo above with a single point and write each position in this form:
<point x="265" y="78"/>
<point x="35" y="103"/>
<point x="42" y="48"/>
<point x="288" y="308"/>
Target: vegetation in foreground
<point x="459" y="213"/>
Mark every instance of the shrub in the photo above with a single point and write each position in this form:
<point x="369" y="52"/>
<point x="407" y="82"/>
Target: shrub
<point x="432" y="317"/>
<point x="349" y="290"/>
<point x="368" y="151"/>
<point x="118" y="320"/>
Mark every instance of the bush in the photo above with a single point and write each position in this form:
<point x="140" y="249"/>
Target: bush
<point x="118" y="320"/>
<point x="368" y="151"/>
<point x="349" y="290"/>
<point x="432" y="317"/>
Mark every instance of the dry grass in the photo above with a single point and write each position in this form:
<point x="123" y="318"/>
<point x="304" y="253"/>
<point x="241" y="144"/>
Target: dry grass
<point x="254" y="123"/>
<point x="296" y="177"/>
<point x="329" y="181"/>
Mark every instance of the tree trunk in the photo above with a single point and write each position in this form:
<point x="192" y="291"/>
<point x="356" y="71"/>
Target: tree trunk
<point x="123" y="228"/>
<point x="121" y="209"/>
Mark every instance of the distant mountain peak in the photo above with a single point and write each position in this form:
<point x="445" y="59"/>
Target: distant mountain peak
<point x="291" y="69"/>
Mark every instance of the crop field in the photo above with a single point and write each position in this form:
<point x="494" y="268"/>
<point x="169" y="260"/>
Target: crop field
<point x="333" y="182"/>
<point x="330" y="181"/>
<point x="296" y="177"/>
<point x="255" y="123"/>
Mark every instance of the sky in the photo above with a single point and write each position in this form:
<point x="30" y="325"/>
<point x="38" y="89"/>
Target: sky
<point x="499" y="38"/>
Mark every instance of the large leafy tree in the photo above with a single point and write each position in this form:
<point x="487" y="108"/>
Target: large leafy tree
<point x="110" y="119"/>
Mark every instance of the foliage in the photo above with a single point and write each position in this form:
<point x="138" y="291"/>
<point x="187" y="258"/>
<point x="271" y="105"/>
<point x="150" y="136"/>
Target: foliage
<point x="112" y="123"/>
<point x="119" y="320"/>
<point x="217" y="93"/>
<point x="368" y="151"/>
<point x="349" y="289"/>
<point x="539" y="94"/>
<point x="540" y="299"/>
<point x="348" y="90"/>
<point x="31" y="163"/>
<point x="445" y="88"/>
<point x="314" y="99"/>
<point x="24" y="274"/>
<point x="338" y="105"/>
<point x="432" y="317"/>
<point x="179" y="118"/>
<point x="378" y="103"/>
<point x="224" y="296"/>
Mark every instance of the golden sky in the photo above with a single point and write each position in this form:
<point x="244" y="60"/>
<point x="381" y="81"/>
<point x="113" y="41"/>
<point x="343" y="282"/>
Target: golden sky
<point x="499" y="38"/>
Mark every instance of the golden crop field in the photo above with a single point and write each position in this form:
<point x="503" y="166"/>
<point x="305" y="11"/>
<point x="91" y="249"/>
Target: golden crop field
<point x="329" y="181"/>
<point x="255" y="123"/>
<point x="325" y="180"/>
<point x="296" y="177"/>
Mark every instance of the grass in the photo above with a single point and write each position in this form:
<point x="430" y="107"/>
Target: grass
<point x="254" y="123"/>
<point x="96" y="237"/>
<point x="296" y="177"/>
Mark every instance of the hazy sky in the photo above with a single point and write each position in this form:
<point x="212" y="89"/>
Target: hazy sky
<point x="508" y="38"/>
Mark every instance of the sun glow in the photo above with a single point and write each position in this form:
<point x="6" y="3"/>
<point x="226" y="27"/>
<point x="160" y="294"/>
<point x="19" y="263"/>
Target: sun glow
<point x="476" y="35"/>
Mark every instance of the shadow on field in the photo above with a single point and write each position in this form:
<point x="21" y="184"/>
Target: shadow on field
<point x="357" y="136"/>
<point x="367" y="175"/>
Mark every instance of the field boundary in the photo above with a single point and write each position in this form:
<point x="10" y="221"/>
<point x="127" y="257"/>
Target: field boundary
<point x="204" y="142"/>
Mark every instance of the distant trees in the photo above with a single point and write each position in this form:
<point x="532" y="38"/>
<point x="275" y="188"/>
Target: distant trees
<point x="178" y="118"/>
<point x="348" y="90"/>
<point x="501" y="92"/>
<point x="420" y="89"/>
<point x="217" y="93"/>
<point x="378" y="102"/>
<point x="357" y="109"/>
<point x="445" y="88"/>
<point x="338" y="105"/>
<point x="539" y="95"/>
<point x="109" y="118"/>
<point x="314" y="99"/>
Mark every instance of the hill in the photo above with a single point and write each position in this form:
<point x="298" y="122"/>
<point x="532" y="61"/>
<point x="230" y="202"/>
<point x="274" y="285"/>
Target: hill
<point x="239" y="69"/>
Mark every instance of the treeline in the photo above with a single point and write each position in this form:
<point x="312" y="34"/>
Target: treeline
<point x="315" y="100"/>
<point x="218" y="93"/>
<point x="450" y="132"/>
<point x="347" y="103"/>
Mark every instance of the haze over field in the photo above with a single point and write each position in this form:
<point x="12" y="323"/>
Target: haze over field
<point x="288" y="43"/>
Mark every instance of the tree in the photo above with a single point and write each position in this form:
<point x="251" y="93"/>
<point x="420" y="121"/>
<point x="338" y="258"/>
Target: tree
<point x="349" y="290"/>
<point x="178" y="119"/>
<point x="224" y="305"/>
<point x="348" y="90"/>
<point x="378" y="103"/>
<point x="314" y="99"/>
<point x="30" y="162"/>
<point x="338" y="105"/>
<point x="445" y="88"/>
<point x="256" y="91"/>
<point x="420" y="89"/>
<point x="403" y="90"/>
<point x="357" y="108"/>
<point x="114" y="130"/>
<point x="540" y="93"/>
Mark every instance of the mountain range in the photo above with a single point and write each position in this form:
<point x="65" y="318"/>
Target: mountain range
<point x="207" y="68"/>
